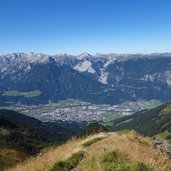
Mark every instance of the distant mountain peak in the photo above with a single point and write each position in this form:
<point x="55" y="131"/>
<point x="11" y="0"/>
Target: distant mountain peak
<point x="84" y="55"/>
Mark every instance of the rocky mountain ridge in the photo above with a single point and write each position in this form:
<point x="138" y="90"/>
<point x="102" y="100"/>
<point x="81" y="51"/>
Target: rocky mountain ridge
<point x="100" y="78"/>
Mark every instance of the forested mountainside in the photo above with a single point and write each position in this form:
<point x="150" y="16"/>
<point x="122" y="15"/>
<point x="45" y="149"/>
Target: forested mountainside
<point x="22" y="136"/>
<point x="151" y="122"/>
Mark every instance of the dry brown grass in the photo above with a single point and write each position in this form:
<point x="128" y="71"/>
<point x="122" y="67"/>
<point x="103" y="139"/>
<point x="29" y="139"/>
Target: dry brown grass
<point x="138" y="149"/>
<point x="49" y="157"/>
<point x="10" y="157"/>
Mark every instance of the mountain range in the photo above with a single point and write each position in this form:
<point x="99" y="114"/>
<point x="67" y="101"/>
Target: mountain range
<point x="100" y="79"/>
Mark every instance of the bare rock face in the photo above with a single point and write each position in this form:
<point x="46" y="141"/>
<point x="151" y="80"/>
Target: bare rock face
<point x="163" y="146"/>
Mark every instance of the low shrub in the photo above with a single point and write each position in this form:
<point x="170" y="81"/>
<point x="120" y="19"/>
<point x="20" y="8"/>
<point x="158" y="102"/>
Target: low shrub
<point x="90" y="142"/>
<point x="116" y="161"/>
<point x="69" y="163"/>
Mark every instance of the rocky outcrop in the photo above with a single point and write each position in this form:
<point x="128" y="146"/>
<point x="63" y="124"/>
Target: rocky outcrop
<point x="163" y="146"/>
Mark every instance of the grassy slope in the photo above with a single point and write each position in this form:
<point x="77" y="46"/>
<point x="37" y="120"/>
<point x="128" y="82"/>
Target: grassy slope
<point x="113" y="152"/>
<point x="149" y="123"/>
<point x="15" y="140"/>
<point x="29" y="94"/>
<point x="22" y="136"/>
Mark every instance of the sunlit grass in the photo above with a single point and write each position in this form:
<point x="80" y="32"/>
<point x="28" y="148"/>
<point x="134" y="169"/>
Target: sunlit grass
<point x="28" y="94"/>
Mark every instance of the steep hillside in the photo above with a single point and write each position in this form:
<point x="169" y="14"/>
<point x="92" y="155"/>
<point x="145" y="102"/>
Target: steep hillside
<point x="101" y="152"/>
<point x="152" y="122"/>
<point x="22" y="136"/>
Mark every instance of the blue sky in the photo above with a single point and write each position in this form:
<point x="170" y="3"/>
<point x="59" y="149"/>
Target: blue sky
<point x="75" y="26"/>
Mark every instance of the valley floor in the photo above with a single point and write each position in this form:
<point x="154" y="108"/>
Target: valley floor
<point x="101" y="152"/>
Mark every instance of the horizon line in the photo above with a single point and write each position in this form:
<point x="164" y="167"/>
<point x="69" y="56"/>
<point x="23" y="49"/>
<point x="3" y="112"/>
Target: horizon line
<point x="91" y="54"/>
